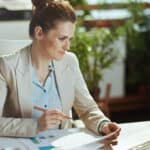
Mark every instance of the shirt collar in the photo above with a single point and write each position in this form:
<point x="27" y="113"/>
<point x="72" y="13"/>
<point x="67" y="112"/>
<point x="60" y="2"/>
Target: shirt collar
<point x="51" y="66"/>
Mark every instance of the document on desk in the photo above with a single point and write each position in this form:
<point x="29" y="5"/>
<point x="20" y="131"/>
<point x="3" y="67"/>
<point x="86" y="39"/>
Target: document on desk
<point x="77" y="140"/>
<point x="64" y="140"/>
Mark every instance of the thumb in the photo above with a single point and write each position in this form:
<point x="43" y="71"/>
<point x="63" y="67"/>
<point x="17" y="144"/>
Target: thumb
<point x="109" y="128"/>
<point x="106" y="129"/>
<point x="112" y="127"/>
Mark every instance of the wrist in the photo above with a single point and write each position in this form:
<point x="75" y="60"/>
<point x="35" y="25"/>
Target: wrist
<point x="101" y="125"/>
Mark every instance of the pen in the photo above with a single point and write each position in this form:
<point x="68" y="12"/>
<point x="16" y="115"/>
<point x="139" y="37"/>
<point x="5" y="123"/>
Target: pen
<point x="43" y="110"/>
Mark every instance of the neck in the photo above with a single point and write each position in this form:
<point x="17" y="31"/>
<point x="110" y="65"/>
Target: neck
<point x="39" y="59"/>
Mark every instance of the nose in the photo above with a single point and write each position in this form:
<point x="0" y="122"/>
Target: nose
<point x="66" y="45"/>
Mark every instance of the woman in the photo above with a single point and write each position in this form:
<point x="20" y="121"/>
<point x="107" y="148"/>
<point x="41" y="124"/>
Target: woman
<point x="40" y="83"/>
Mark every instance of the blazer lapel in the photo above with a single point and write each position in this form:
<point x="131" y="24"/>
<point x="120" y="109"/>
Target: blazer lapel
<point x="60" y="68"/>
<point x="24" y="81"/>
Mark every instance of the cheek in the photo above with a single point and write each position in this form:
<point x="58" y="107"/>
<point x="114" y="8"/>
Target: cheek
<point x="53" y="45"/>
<point x="53" y="52"/>
<point x="50" y="46"/>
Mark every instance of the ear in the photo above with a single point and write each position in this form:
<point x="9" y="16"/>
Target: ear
<point x="38" y="33"/>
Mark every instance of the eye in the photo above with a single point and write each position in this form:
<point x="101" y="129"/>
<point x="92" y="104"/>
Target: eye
<point x="62" y="38"/>
<point x="65" y="38"/>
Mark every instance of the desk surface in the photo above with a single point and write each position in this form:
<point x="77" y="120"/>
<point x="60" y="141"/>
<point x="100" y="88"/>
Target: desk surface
<point x="131" y="134"/>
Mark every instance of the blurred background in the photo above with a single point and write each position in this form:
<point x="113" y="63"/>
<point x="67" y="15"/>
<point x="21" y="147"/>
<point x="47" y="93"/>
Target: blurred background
<point x="112" y="43"/>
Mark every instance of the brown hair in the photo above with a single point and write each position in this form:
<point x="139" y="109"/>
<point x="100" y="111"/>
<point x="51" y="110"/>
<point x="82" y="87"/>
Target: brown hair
<point x="46" y="13"/>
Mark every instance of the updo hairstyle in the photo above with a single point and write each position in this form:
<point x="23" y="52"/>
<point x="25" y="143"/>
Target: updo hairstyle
<point x="46" y="14"/>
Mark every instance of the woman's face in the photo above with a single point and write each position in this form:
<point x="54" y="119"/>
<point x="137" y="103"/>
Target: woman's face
<point x="56" y="41"/>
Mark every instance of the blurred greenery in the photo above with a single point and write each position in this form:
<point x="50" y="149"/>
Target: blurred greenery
<point x="95" y="53"/>
<point x="78" y="2"/>
<point x="138" y="49"/>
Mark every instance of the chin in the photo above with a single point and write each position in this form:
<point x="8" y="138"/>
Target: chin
<point x="59" y="58"/>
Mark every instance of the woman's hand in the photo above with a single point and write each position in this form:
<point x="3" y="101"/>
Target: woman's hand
<point x="50" y="118"/>
<point x="108" y="128"/>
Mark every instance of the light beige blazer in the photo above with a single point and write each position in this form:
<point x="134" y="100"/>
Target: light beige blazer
<point x="16" y="94"/>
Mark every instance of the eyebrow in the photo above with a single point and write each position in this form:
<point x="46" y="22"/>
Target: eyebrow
<point x="64" y="36"/>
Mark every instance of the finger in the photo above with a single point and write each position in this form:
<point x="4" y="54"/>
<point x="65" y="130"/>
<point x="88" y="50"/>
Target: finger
<point x="114" y="130"/>
<point x="117" y="132"/>
<point x="47" y="122"/>
<point x="52" y="112"/>
<point x="113" y="142"/>
<point x="61" y="114"/>
<point x="54" y="117"/>
<point x="110" y="138"/>
<point x="57" y="112"/>
<point x="44" y="123"/>
<point x="114" y="127"/>
<point x="48" y="125"/>
<point x="113" y="136"/>
<point x="54" y="122"/>
<point x="60" y="118"/>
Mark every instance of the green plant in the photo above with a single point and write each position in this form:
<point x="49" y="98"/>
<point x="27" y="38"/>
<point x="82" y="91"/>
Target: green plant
<point x="82" y="13"/>
<point x="138" y="62"/>
<point x="95" y="53"/>
<point x="78" y="2"/>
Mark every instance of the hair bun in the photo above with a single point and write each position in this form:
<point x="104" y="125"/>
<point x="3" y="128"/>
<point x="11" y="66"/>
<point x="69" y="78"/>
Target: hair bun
<point x="38" y="3"/>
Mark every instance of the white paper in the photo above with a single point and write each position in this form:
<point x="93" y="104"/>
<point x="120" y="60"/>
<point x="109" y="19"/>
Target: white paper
<point x="79" y="139"/>
<point x="74" y="140"/>
<point x="48" y="137"/>
<point x="69" y="139"/>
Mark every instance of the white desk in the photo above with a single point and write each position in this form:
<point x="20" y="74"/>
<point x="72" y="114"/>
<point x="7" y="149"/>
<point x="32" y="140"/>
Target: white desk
<point x="131" y="134"/>
<point x="49" y="137"/>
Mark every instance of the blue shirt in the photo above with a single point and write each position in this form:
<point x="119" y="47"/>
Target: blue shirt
<point x="45" y="96"/>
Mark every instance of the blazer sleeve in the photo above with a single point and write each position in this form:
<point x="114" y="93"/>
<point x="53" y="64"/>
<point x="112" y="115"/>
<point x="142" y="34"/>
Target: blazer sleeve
<point x="84" y="104"/>
<point x="13" y="127"/>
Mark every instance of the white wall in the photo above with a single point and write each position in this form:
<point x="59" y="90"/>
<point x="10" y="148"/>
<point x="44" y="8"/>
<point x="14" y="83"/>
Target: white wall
<point x="7" y="46"/>
<point x="18" y="30"/>
<point x="116" y="74"/>
<point x="13" y="35"/>
<point x="14" y="30"/>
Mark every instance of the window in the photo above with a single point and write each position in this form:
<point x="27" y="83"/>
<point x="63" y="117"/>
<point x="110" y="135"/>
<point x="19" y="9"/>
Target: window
<point x="15" y="9"/>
